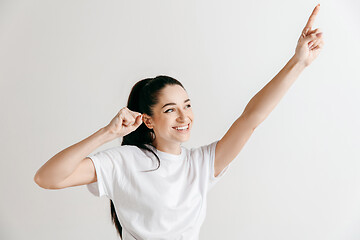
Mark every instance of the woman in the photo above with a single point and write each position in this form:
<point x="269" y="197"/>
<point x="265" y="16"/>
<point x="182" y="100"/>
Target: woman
<point x="149" y="201"/>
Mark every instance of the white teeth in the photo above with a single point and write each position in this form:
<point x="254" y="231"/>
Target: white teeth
<point x="182" y="128"/>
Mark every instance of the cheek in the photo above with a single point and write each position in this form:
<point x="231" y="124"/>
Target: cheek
<point x="191" y="115"/>
<point x="166" y="122"/>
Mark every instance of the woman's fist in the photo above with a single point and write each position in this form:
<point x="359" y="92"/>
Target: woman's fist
<point x="124" y="122"/>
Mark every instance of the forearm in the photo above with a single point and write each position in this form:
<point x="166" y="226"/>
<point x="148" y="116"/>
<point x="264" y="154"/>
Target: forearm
<point x="64" y="163"/>
<point x="269" y="96"/>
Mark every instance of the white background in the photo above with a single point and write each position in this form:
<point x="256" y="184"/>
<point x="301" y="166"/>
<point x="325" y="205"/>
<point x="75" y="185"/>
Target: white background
<point x="67" y="68"/>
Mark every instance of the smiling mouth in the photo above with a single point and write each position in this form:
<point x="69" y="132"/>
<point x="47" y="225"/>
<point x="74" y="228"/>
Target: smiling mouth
<point x="182" y="128"/>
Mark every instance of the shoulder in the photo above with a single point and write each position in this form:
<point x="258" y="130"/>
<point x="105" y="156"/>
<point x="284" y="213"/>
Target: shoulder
<point x="204" y="150"/>
<point x="118" y="152"/>
<point x="132" y="150"/>
<point x="205" y="147"/>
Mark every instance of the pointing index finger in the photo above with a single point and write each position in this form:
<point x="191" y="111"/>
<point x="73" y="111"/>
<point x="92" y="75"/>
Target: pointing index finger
<point x="311" y="19"/>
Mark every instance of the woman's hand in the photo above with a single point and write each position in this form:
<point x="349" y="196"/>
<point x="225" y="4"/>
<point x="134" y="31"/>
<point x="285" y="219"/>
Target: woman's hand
<point x="124" y="122"/>
<point x="310" y="42"/>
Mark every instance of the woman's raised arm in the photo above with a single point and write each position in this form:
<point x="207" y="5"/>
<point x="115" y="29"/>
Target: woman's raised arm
<point x="64" y="163"/>
<point x="261" y="105"/>
<point x="308" y="48"/>
<point x="58" y="172"/>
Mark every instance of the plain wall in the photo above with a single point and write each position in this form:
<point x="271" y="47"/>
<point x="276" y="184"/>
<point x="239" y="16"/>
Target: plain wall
<point x="67" y="68"/>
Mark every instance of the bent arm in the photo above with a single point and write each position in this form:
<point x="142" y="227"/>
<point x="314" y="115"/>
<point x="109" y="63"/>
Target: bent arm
<point x="64" y="163"/>
<point x="262" y="104"/>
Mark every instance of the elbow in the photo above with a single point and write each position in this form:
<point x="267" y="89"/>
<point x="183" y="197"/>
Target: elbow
<point x="41" y="183"/>
<point x="251" y="120"/>
<point x="38" y="181"/>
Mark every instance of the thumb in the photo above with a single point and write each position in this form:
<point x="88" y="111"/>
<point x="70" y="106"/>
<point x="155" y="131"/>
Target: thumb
<point x="138" y="120"/>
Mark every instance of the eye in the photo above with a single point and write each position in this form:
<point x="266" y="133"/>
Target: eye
<point x="167" y="111"/>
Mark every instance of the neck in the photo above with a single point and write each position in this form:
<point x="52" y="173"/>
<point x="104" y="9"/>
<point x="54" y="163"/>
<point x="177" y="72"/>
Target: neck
<point x="172" y="148"/>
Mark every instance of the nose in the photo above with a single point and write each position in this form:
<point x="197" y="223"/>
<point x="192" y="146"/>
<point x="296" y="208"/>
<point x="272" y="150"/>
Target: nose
<point x="181" y="116"/>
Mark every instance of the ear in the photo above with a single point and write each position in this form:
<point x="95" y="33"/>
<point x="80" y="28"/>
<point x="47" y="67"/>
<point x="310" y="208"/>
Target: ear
<point x="147" y="121"/>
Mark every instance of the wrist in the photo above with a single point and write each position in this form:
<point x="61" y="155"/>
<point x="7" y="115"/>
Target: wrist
<point x="107" y="135"/>
<point x="296" y="63"/>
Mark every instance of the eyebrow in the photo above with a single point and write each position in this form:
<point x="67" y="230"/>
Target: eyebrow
<point x="187" y="100"/>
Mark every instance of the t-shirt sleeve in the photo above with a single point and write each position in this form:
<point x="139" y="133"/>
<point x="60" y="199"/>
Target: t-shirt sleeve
<point x="208" y="155"/>
<point x="107" y="166"/>
<point x="213" y="180"/>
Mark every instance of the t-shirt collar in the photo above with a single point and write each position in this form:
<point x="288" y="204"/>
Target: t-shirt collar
<point x="169" y="156"/>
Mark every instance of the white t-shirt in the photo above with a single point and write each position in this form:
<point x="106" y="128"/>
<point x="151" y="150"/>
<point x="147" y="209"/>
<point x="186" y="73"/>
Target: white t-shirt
<point x="168" y="203"/>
